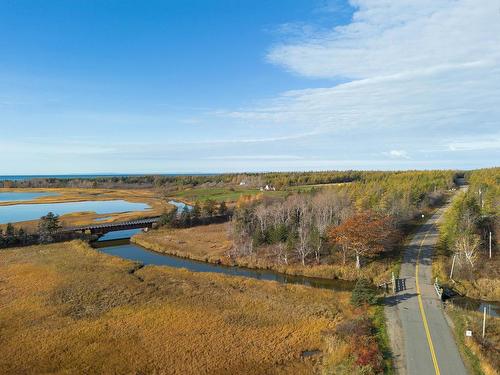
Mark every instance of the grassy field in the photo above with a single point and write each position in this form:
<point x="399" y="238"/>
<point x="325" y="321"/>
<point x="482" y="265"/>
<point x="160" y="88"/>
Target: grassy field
<point x="209" y="243"/>
<point x="66" y="308"/>
<point x="212" y="243"/>
<point x="231" y="195"/>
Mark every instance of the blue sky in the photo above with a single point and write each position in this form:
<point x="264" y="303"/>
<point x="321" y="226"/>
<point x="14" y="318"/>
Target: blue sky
<point x="223" y="85"/>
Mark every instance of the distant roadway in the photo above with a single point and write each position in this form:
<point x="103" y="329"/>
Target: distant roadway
<point x="422" y="341"/>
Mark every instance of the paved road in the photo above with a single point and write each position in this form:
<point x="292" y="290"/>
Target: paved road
<point x="422" y="341"/>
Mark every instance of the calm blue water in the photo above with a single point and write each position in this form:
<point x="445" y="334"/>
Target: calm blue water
<point x="180" y="206"/>
<point x="24" y="212"/>
<point x="14" y="196"/>
<point x="119" y="234"/>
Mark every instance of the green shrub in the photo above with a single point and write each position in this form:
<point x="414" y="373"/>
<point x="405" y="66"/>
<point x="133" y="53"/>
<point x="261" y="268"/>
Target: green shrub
<point x="363" y="293"/>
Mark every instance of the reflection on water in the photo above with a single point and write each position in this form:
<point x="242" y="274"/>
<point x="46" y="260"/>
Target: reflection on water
<point x="24" y="212"/>
<point x="126" y="250"/>
<point x="102" y="218"/>
<point x="492" y="308"/>
<point x="14" y="196"/>
<point x="119" y="234"/>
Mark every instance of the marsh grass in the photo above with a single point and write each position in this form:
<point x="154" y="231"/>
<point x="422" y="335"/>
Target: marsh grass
<point x="66" y="308"/>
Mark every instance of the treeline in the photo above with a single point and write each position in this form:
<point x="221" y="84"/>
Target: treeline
<point x="279" y="180"/>
<point x="209" y="212"/>
<point x="359" y="220"/>
<point x="47" y="232"/>
<point x="125" y="182"/>
<point x="465" y="232"/>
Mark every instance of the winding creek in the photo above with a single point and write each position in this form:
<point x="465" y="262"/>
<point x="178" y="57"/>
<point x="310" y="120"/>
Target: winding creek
<point x="118" y="244"/>
<point x="124" y="249"/>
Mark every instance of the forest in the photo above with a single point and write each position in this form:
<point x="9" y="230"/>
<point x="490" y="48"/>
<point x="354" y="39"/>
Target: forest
<point x="351" y="222"/>
<point x="468" y="260"/>
<point x="279" y="180"/>
<point x="470" y="229"/>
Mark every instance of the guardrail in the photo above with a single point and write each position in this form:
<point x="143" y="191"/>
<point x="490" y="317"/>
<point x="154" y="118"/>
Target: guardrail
<point x="438" y="288"/>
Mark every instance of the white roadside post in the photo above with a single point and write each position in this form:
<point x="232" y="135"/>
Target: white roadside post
<point x="393" y="283"/>
<point x="484" y="322"/>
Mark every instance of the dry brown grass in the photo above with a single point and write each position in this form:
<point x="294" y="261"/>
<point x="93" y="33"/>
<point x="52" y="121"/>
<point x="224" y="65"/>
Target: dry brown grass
<point x="211" y="243"/>
<point x="66" y="308"/>
<point x="482" y="354"/>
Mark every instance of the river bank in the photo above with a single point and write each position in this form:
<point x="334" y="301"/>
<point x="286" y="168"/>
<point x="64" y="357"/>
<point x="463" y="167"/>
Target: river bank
<point x="212" y="243"/>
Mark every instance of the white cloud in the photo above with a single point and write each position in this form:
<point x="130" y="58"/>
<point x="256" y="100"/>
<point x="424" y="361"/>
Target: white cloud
<point x="394" y="36"/>
<point x="255" y="157"/>
<point x="397" y="154"/>
<point x="490" y="143"/>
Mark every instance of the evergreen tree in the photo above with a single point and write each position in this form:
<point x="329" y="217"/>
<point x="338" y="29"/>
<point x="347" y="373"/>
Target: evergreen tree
<point x="223" y="208"/>
<point x="209" y="207"/>
<point x="363" y="293"/>
<point x="196" y="211"/>
<point x="48" y="227"/>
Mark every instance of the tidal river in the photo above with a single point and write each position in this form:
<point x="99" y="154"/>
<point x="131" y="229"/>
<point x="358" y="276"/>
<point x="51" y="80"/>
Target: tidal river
<point x="124" y="249"/>
<point x="14" y="196"/>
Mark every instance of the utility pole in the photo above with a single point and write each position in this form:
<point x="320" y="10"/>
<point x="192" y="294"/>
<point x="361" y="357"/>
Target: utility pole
<point x="484" y="322"/>
<point x="393" y="283"/>
<point x="490" y="244"/>
<point x="452" y="266"/>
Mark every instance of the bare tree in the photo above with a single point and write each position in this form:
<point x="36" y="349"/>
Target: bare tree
<point x="261" y="214"/>
<point x="323" y="213"/>
<point x="467" y="246"/>
<point x="304" y="222"/>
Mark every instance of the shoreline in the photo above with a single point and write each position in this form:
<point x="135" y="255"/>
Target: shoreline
<point x="326" y="272"/>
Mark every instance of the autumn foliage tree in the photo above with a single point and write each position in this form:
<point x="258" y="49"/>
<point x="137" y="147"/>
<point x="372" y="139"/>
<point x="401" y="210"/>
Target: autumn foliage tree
<point x="365" y="234"/>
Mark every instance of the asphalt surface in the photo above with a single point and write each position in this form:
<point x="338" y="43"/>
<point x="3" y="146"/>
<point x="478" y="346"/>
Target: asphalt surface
<point x="421" y="338"/>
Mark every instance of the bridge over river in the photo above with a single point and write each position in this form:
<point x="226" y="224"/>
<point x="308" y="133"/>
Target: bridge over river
<point x="100" y="229"/>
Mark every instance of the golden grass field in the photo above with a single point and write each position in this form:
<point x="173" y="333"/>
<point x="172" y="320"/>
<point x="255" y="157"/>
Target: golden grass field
<point x="147" y="196"/>
<point x="211" y="243"/>
<point x="483" y="355"/>
<point x="66" y="308"/>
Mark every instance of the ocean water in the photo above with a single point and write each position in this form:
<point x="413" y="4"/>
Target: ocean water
<point x="93" y="176"/>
